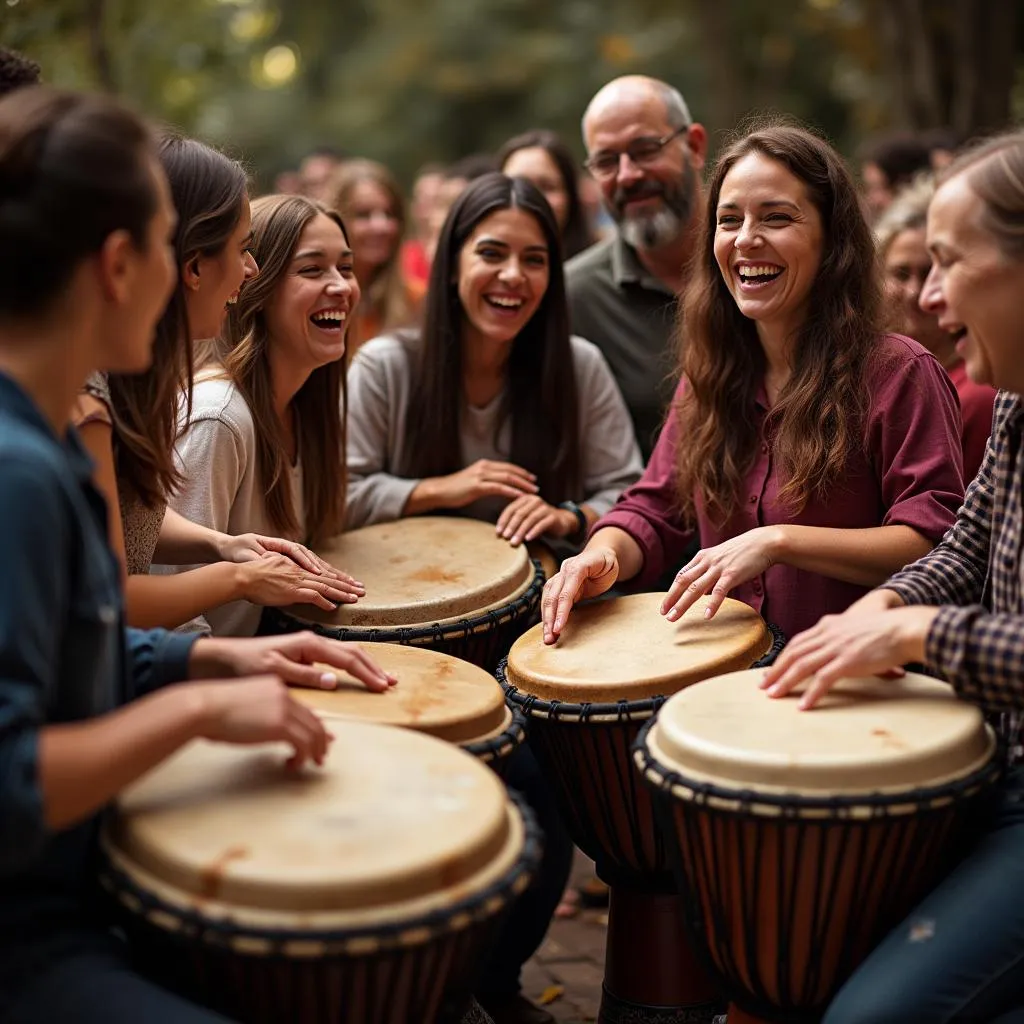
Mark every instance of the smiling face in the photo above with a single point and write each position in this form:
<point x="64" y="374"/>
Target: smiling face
<point x="537" y="165"/>
<point x="652" y="200"/>
<point x="307" y="315"/>
<point x="768" y="242"/>
<point x="907" y="265"/>
<point x="503" y="273"/>
<point x="974" y="288"/>
<point x="373" y="222"/>
<point x="214" y="281"/>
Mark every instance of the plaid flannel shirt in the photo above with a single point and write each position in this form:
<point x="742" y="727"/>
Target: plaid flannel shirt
<point x="975" y="574"/>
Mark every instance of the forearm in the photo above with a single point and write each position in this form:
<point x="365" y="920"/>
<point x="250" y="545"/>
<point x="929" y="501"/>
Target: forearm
<point x="84" y="765"/>
<point x="172" y="600"/>
<point x="628" y="553"/>
<point x="183" y="542"/>
<point x="863" y="557"/>
<point x="426" y="496"/>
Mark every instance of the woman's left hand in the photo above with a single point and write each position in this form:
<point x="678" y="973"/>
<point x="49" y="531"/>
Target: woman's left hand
<point x="715" y="571"/>
<point x="530" y="516"/>
<point x="249" y="546"/>
<point x="856" y="643"/>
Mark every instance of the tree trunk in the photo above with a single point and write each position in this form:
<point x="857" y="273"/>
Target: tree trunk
<point x="99" y="49"/>
<point x="984" y="39"/>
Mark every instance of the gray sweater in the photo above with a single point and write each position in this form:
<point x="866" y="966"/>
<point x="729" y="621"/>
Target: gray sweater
<point x="380" y="382"/>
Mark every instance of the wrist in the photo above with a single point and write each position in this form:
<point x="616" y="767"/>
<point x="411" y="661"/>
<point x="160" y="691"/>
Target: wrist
<point x="211" y="658"/>
<point x="574" y="519"/>
<point x="776" y="544"/>
<point x="915" y="624"/>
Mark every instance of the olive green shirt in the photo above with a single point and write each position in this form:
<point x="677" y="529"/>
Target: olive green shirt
<point x="630" y="315"/>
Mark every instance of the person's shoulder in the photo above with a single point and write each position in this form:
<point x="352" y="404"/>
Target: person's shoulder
<point x="590" y="265"/>
<point x="387" y="350"/>
<point x="586" y="355"/>
<point x="216" y="398"/>
<point x="896" y="355"/>
<point x="34" y="473"/>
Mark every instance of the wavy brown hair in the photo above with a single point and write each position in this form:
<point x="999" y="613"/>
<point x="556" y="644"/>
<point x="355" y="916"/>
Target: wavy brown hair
<point x="820" y="414"/>
<point x="209" y="190"/>
<point x="277" y="225"/>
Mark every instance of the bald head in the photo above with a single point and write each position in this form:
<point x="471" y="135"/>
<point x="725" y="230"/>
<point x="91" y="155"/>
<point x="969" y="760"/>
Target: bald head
<point x="637" y="92"/>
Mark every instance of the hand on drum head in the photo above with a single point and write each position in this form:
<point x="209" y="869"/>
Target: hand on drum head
<point x="260" y="710"/>
<point x="715" y="571"/>
<point x="276" y="580"/>
<point x="856" y="643"/>
<point x="484" y="479"/>
<point x="249" y="546"/>
<point x="297" y="658"/>
<point x="530" y="517"/>
<point x="588" y="574"/>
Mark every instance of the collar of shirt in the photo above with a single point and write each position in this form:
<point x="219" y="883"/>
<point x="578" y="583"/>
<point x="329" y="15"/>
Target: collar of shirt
<point x="18" y="405"/>
<point x="627" y="268"/>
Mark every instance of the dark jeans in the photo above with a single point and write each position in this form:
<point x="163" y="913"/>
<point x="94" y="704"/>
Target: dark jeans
<point x="97" y="986"/>
<point x="528" y="922"/>
<point x="959" y="957"/>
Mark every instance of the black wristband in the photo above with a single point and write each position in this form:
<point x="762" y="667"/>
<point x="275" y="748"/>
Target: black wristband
<point x="581" y="520"/>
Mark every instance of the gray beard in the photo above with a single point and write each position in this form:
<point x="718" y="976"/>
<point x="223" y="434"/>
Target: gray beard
<point x="653" y="231"/>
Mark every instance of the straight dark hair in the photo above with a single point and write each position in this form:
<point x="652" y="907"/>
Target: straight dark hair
<point x="577" y="235"/>
<point x="208" y="189"/>
<point x="540" y="396"/>
<point x="819" y="417"/>
<point x="74" y="169"/>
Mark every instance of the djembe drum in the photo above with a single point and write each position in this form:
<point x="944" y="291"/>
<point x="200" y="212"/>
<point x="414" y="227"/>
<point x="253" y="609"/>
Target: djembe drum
<point x="436" y="694"/>
<point x="442" y="582"/>
<point x="585" y="700"/>
<point x="802" y="838"/>
<point x="365" y="892"/>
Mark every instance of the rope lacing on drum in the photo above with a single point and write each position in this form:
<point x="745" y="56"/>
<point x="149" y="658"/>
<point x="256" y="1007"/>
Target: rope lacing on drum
<point x="726" y="855"/>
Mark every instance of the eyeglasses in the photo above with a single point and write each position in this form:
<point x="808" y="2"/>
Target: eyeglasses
<point x="641" y="151"/>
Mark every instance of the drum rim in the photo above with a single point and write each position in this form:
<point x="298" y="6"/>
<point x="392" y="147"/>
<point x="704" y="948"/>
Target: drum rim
<point x="455" y="628"/>
<point x="357" y="940"/>
<point x="498" y="745"/>
<point x="764" y="805"/>
<point x="602" y="712"/>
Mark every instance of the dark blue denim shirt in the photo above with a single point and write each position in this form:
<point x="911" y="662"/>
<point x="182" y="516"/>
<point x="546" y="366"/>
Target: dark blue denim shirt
<point x="65" y="655"/>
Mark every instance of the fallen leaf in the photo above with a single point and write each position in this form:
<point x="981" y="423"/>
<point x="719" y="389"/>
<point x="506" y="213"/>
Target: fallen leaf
<point x="551" y="994"/>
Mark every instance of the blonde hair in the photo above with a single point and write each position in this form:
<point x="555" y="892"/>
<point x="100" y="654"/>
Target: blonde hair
<point x="907" y="212"/>
<point x="386" y="293"/>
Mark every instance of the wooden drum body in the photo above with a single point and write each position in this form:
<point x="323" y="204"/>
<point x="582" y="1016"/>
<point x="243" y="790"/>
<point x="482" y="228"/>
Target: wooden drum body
<point x="802" y="838"/>
<point x="366" y="892"/>
<point x="585" y="700"/>
<point x="436" y="694"/>
<point x="441" y="582"/>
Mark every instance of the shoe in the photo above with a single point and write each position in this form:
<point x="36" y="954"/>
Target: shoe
<point x="516" y="1009"/>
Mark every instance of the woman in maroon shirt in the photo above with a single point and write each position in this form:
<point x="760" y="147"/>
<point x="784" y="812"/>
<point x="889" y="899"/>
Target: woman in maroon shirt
<point x="810" y="453"/>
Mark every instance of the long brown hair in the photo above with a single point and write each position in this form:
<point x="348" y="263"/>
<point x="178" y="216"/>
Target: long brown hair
<point x="208" y="189"/>
<point x="386" y="293"/>
<point x="541" y="398"/>
<point x="819" y="417"/>
<point x="277" y="225"/>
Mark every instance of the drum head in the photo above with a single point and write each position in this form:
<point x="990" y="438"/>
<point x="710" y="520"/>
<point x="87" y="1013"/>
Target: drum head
<point x="623" y="649"/>
<point x="423" y="570"/>
<point x="867" y="735"/>
<point x="395" y="820"/>
<point x="436" y="694"/>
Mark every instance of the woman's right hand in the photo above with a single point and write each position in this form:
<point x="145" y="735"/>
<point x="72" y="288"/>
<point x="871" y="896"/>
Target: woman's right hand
<point x="484" y="479"/>
<point x="259" y="709"/>
<point x="276" y="580"/>
<point x="588" y="574"/>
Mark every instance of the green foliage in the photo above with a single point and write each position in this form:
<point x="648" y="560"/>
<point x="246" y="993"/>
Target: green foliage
<point x="408" y="81"/>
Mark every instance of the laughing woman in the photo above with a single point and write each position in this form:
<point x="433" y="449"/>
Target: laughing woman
<point x="493" y="411"/>
<point x="811" y="454"/>
<point x="129" y="421"/>
<point x="261" y="450"/>
<point x="960" y="611"/>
